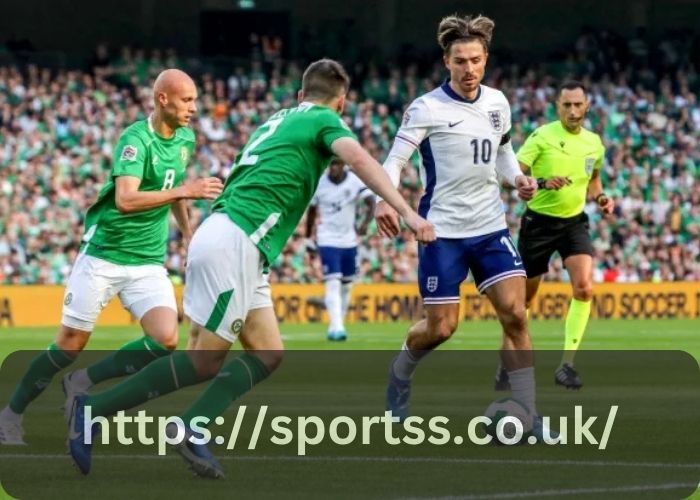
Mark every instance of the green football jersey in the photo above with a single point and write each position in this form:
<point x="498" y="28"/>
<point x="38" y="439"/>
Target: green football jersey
<point x="141" y="237"/>
<point x="276" y="174"/>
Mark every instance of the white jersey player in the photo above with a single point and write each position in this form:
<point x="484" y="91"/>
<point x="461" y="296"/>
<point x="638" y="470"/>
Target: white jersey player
<point x="461" y="131"/>
<point x="337" y="196"/>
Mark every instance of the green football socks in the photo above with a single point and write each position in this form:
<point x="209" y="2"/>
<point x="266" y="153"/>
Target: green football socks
<point x="38" y="376"/>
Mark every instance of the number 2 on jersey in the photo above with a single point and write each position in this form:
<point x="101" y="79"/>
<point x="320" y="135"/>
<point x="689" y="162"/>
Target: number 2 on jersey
<point x="250" y="159"/>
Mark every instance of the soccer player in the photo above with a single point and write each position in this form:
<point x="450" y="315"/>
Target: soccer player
<point x="123" y="251"/>
<point x="337" y="199"/>
<point x="566" y="160"/>
<point x="227" y="296"/>
<point x="461" y="130"/>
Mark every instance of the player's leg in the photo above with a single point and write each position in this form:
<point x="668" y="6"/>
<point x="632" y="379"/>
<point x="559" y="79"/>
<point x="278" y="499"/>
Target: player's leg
<point x="348" y="268"/>
<point x="441" y="270"/>
<point x="536" y="243"/>
<point x="90" y="286"/>
<point x="499" y="273"/>
<point x="148" y="294"/>
<point x="219" y="258"/>
<point x="576" y="250"/>
<point x="332" y="275"/>
<point x="262" y="341"/>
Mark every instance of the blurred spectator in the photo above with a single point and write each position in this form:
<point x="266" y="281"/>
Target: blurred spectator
<point x="57" y="130"/>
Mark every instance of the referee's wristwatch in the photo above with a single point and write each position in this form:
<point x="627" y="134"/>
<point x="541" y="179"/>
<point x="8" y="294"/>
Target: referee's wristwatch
<point x="541" y="183"/>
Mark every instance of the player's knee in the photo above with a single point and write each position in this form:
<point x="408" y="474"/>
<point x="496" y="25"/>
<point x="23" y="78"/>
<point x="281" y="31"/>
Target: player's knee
<point x="71" y="340"/>
<point x="583" y="291"/>
<point x="207" y="363"/>
<point x="444" y="329"/>
<point x="514" y="319"/>
<point x="271" y="359"/>
<point x="166" y="336"/>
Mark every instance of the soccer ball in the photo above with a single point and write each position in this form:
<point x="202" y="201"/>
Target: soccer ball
<point x="508" y="407"/>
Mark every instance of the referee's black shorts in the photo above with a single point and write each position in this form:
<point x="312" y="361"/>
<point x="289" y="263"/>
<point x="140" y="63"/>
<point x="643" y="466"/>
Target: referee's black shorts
<point x="542" y="235"/>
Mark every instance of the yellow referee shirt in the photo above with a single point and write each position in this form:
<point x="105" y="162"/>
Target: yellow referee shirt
<point x="552" y="151"/>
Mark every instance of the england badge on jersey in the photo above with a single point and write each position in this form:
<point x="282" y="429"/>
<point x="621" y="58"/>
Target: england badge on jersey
<point x="496" y="120"/>
<point x="590" y="162"/>
<point x="432" y="283"/>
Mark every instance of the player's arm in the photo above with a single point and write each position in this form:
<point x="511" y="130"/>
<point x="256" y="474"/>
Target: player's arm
<point x="129" y="199"/>
<point x="311" y="215"/>
<point x="527" y="156"/>
<point x="182" y="217"/>
<point x="508" y="168"/>
<point x="595" y="191"/>
<point x="371" y="206"/>
<point x="373" y="175"/>
<point x="416" y="124"/>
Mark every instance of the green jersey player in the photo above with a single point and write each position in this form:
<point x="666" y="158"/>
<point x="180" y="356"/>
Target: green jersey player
<point x="123" y="251"/>
<point x="227" y="295"/>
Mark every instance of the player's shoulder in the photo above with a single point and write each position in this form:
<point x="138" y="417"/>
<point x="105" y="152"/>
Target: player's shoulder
<point x="591" y="137"/>
<point x="354" y="179"/>
<point x="550" y="129"/>
<point x="137" y="131"/>
<point x="321" y="116"/>
<point x="491" y="96"/>
<point x="185" y="134"/>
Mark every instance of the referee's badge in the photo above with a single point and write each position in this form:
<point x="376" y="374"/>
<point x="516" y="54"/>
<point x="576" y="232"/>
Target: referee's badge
<point x="496" y="120"/>
<point x="432" y="283"/>
<point x="590" y="162"/>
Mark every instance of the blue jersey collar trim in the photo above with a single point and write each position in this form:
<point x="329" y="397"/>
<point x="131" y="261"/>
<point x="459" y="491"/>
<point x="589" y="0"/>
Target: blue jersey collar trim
<point x="454" y="95"/>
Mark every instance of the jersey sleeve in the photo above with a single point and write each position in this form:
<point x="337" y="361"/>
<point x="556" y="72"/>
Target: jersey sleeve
<point x="362" y="191"/>
<point x="416" y="123"/>
<point x="331" y="128"/>
<point x="506" y="120"/>
<point x="601" y="156"/>
<point x="529" y="151"/>
<point x="129" y="157"/>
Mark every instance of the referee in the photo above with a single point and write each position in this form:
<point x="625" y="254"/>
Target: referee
<point x="566" y="160"/>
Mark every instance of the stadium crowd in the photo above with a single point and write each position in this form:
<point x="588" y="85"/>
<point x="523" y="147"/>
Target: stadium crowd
<point x="58" y="128"/>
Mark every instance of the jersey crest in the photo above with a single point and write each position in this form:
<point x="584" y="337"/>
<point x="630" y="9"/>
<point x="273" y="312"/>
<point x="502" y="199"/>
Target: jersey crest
<point x="496" y="120"/>
<point x="590" y="162"/>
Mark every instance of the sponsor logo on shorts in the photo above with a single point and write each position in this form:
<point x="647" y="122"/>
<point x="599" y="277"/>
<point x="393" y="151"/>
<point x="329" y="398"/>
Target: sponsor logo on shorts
<point x="68" y="299"/>
<point x="129" y="153"/>
<point x="432" y="283"/>
<point x="236" y="326"/>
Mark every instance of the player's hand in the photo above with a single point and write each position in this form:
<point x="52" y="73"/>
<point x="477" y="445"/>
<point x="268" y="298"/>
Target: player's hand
<point x="526" y="186"/>
<point x="387" y="220"/>
<point x="424" y="230"/>
<point x="606" y="205"/>
<point x="557" y="182"/>
<point x="206" y="188"/>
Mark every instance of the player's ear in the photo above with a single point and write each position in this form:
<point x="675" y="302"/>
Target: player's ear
<point x="300" y="96"/>
<point x="341" y="104"/>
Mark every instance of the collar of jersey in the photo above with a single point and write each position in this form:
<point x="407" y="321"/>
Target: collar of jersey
<point x="454" y="95"/>
<point x="153" y="132"/>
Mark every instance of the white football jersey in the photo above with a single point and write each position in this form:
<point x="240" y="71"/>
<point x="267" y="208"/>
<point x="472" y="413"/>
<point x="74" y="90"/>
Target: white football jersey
<point x="337" y="207"/>
<point x="458" y="142"/>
